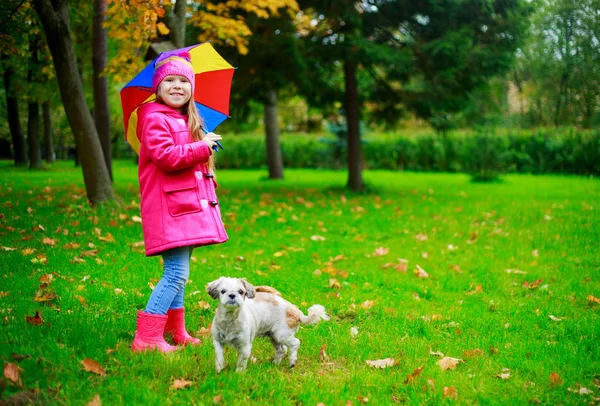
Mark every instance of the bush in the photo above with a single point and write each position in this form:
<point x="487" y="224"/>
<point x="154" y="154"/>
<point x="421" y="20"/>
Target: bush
<point x="485" y="155"/>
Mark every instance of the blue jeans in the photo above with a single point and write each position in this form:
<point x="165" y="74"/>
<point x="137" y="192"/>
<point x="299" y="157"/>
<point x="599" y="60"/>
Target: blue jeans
<point x="168" y="293"/>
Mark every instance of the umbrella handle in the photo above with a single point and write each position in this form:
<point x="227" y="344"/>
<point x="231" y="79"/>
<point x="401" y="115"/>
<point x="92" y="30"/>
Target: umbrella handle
<point x="215" y="147"/>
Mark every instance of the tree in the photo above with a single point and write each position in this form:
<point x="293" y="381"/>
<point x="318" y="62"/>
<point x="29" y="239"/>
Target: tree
<point x="99" y="60"/>
<point x="54" y="16"/>
<point x="272" y="65"/>
<point x="33" y="117"/>
<point x="422" y="56"/>
<point x="12" y="111"/>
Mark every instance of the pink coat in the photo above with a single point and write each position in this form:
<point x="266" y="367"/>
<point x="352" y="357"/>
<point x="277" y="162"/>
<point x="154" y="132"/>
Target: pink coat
<point x="179" y="205"/>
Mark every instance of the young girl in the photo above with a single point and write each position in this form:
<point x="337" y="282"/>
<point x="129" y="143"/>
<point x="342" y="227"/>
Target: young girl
<point x="179" y="206"/>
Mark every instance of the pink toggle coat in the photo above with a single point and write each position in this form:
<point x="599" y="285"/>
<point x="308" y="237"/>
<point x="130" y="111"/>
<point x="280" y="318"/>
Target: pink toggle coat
<point x="179" y="205"/>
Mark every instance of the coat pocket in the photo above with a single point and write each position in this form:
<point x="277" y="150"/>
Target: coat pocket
<point x="182" y="196"/>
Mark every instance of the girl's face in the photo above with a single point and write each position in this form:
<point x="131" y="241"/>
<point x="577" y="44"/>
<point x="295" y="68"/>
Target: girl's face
<point x="174" y="91"/>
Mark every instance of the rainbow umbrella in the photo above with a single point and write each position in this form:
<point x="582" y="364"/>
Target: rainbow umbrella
<point x="211" y="91"/>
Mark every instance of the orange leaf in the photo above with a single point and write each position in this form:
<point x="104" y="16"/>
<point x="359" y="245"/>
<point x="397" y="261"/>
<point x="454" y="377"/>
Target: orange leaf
<point x="12" y="372"/>
<point x="449" y="363"/>
<point x="34" y="320"/>
<point x="593" y="299"/>
<point x="180" y="384"/>
<point x="95" y="401"/>
<point x="92" y="366"/>
<point x="450" y="392"/>
<point x="410" y="378"/>
<point x="555" y="379"/>
<point x="49" y="241"/>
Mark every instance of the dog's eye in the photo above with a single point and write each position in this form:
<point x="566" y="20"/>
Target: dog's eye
<point x="223" y="291"/>
<point x="241" y="292"/>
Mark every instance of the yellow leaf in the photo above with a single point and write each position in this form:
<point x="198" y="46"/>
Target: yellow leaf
<point x="162" y="28"/>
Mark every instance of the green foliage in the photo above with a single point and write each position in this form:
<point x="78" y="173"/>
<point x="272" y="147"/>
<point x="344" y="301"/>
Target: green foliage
<point x="484" y="154"/>
<point x="534" y="320"/>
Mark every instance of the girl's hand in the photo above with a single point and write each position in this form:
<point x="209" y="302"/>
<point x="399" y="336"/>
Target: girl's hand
<point x="211" y="139"/>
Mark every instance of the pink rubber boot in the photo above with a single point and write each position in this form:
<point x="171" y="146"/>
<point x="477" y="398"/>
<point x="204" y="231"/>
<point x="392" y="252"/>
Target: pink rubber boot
<point x="176" y="327"/>
<point x="149" y="333"/>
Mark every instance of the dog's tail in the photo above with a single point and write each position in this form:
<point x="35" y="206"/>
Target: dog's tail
<point x="316" y="313"/>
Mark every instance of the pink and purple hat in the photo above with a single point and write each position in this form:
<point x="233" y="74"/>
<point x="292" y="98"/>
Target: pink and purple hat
<point x="173" y="63"/>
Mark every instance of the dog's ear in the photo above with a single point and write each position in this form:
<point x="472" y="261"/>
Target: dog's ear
<point x="213" y="288"/>
<point x="250" y="291"/>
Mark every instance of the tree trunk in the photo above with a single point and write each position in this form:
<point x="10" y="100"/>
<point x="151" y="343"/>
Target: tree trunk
<point x="176" y="24"/>
<point x="355" y="180"/>
<point x="33" y="117"/>
<point x="48" y="139"/>
<point x="12" y="111"/>
<point x="54" y="16"/>
<point x="99" y="60"/>
<point x="274" y="159"/>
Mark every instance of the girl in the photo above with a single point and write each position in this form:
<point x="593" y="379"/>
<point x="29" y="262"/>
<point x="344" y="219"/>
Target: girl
<point x="179" y="206"/>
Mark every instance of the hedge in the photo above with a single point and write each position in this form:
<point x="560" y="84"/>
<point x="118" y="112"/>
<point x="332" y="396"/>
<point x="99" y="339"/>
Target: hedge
<point x="483" y="154"/>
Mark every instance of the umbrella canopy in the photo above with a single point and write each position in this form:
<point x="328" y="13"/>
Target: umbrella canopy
<point x="212" y="87"/>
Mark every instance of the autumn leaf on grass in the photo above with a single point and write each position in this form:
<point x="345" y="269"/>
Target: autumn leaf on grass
<point x="449" y="363"/>
<point x="555" y="379"/>
<point x="420" y="273"/>
<point x="593" y="299"/>
<point x="217" y="399"/>
<point x="554" y="318"/>
<point x="317" y="238"/>
<point x="46" y="279"/>
<point x="323" y="357"/>
<point x="505" y="374"/>
<point x="107" y="238"/>
<point x="367" y="304"/>
<point x="43" y="295"/>
<point x="7" y="248"/>
<point x="532" y="285"/>
<point x="410" y="378"/>
<point x="382" y="363"/>
<point x="334" y="283"/>
<point x="436" y="353"/>
<point x="473" y="353"/>
<point x="34" y="320"/>
<point x="95" y="401"/>
<point x="13" y="373"/>
<point x="203" y="332"/>
<point x="477" y="289"/>
<point x="27" y="251"/>
<point x="180" y="384"/>
<point x="92" y="366"/>
<point x="49" y="241"/>
<point x="450" y="392"/>
<point x="381" y="251"/>
<point x="136" y="219"/>
<point x="4" y="294"/>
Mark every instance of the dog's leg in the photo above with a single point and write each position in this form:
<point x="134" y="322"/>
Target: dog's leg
<point x="293" y="344"/>
<point x="280" y="350"/>
<point x="219" y="358"/>
<point x="243" y="355"/>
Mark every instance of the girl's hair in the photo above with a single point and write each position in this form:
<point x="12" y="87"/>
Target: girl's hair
<point x="195" y="125"/>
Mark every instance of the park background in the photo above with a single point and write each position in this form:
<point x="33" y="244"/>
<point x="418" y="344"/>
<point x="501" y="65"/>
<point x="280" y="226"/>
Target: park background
<point x="426" y="170"/>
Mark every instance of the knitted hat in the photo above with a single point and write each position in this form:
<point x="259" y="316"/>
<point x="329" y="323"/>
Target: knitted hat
<point x="172" y="63"/>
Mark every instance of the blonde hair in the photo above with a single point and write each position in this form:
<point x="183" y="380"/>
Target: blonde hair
<point x="196" y="125"/>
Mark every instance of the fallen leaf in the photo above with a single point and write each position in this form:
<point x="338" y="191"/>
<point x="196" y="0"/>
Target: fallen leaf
<point x="367" y="304"/>
<point x="554" y="318"/>
<point x="136" y="219"/>
<point x="28" y="251"/>
<point x="363" y="399"/>
<point x="555" y="379"/>
<point x="180" y="384"/>
<point x="410" y="378"/>
<point x="353" y="332"/>
<point x="13" y="373"/>
<point x="35" y="320"/>
<point x="323" y="354"/>
<point x="317" y="238"/>
<point x="4" y="294"/>
<point x="47" y="278"/>
<point x="420" y="272"/>
<point x="515" y="271"/>
<point x="7" y="248"/>
<point x="49" y="241"/>
<point x="505" y="374"/>
<point x="477" y="289"/>
<point x="402" y="266"/>
<point x="334" y="283"/>
<point x="436" y="353"/>
<point x="203" y="332"/>
<point x="593" y="299"/>
<point x="217" y="399"/>
<point x="473" y="353"/>
<point x="449" y="363"/>
<point x="92" y="366"/>
<point x="95" y="401"/>
<point x="450" y="392"/>
<point x="532" y="285"/>
<point x="382" y="363"/>
<point x="381" y="251"/>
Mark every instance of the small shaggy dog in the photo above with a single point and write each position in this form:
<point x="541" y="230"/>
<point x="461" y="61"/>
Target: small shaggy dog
<point x="245" y="312"/>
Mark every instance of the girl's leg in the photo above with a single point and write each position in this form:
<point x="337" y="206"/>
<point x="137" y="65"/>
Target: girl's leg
<point x="176" y="273"/>
<point x="177" y="302"/>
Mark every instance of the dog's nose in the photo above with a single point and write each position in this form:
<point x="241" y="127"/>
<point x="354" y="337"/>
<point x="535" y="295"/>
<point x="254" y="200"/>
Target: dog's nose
<point x="232" y="295"/>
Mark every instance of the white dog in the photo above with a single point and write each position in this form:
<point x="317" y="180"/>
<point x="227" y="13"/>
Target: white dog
<point x="245" y="312"/>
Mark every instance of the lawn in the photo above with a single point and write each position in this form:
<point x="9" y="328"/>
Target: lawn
<point x="504" y="277"/>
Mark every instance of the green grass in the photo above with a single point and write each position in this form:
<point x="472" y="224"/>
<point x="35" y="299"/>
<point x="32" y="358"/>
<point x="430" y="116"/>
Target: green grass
<point x="480" y="229"/>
